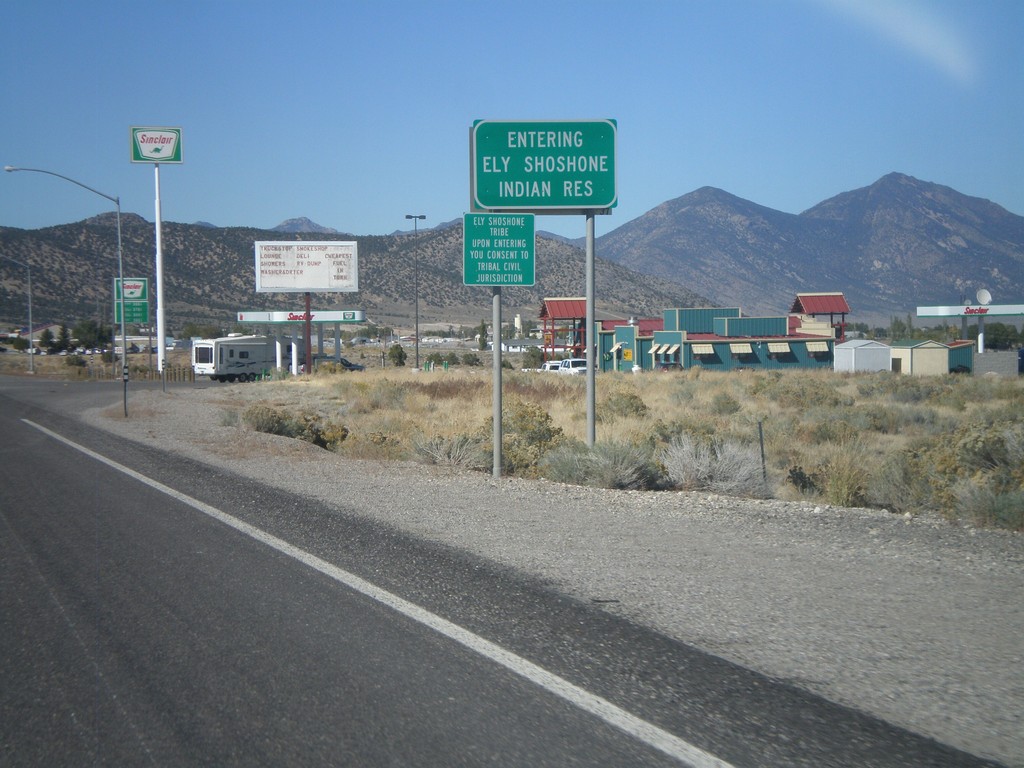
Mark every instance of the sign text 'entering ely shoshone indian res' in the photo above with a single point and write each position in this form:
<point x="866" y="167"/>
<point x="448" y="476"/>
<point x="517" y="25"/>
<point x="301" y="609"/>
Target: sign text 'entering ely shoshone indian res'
<point x="543" y="166"/>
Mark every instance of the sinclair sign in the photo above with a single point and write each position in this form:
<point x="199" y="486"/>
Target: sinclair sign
<point x="156" y="145"/>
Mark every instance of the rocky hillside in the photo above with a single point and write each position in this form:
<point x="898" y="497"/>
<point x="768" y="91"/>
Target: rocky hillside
<point x="889" y="247"/>
<point x="209" y="275"/>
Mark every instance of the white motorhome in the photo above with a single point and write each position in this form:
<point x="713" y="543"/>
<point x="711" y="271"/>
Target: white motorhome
<point x="237" y="357"/>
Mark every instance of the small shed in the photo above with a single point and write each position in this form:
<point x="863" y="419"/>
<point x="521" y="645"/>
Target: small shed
<point x="861" y="356"/>
<point x="932" y="358"/>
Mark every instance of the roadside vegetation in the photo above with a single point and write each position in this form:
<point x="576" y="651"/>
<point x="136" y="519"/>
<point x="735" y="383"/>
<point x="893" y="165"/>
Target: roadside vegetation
<point x="950" y="446"/>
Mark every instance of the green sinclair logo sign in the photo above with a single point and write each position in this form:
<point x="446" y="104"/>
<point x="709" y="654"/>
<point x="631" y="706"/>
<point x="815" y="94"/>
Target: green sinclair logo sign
<point x="156" y="145"/>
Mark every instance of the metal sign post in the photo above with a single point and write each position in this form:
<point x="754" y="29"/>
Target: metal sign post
<point x="547" y="167"/>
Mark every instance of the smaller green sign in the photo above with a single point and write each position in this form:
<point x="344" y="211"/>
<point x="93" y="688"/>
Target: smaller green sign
<point x="498" y="249"/>
<point x="156" y="145"/>
<point x="135" y="312"/>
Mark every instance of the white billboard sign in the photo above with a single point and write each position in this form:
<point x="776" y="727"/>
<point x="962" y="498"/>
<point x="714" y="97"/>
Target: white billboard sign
<point x="306" y="267"/>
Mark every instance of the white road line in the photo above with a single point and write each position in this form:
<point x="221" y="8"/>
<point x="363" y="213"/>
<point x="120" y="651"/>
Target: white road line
<point x="640" y="729"/>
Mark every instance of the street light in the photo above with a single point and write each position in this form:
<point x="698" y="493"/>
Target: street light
<point x="416" y="218"/>
<point x="31" y="350"/>
<point x="120" y="267"/>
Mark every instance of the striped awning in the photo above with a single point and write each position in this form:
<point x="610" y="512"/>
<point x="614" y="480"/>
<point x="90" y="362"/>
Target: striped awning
<point x="671" y="350"/>
<point x="816" y="347"/>
<point x="740" y="349"/>
<point x="778" y="347"/>
<point x="655" y="348"/>
<point x="703" y="349"/>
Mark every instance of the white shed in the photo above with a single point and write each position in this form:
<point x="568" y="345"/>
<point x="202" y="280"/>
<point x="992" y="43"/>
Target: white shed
<point x="861" y="356"/>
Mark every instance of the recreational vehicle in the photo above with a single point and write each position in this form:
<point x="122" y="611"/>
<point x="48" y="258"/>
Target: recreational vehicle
<point x="237" y="358"/>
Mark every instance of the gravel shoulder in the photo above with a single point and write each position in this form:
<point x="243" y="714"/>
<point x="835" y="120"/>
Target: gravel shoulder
<point x="915" y="621"/>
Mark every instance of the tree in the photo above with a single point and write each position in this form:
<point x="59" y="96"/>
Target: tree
<point x="46" y="340"/>
<point x="533" y="357"/>
<point x="91" y="334"/>
<point x="483" y="335"/>
<point x="193" y="330"/>
<point x="397" y="355"/>
<point x="1000" y="336"/>
<point x="898" y="329"/>
<point x="63" y="339"/>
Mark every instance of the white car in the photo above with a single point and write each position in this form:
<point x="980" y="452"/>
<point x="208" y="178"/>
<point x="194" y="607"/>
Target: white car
<point x="573" y="366"/>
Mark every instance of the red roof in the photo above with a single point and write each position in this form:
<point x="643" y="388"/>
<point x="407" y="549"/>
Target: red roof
<point x="820" y="304"/>
<point x="564" y="309"/>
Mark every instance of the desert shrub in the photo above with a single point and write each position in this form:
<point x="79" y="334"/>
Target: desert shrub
<point x="229" y="418"/>
<point x="614" y="465"/>
<point x="726" y="467"/>
<point x="75" y="361"/>
<point x="798" y="391"/>
<point x="380" y="396"/>
<point x="840" y="474"/>
<point x="818" y="426"/>
<point x="990" y="507"/>
<point x="273" y="421"/>
<point x="724" y="404"/>
<point x="622" y="403"/>
<point x="527" y="433"/>
<point x="900" y="484"/>
<point x="471" y="359"/>
<point x="304" y="426"/>
<point x="452" y="451"/>
<point x="808" y="483"/>
<point x="321" y="432"/>
<point x="377" y="444"/>
<point x="846" y="478"/>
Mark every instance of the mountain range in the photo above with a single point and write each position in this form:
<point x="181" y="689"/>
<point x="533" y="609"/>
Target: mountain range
<point x="894" y="245"/>
<point x="889" y="247"/>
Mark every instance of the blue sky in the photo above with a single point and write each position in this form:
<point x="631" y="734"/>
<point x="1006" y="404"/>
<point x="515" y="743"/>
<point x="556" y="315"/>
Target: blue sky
<point x="356" y="113"/>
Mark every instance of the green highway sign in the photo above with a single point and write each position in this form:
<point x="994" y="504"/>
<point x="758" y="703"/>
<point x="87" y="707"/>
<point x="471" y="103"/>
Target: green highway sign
<point x="156" y="145"/>
<point x="545" y="166"/>
<point x="498" y="249"/>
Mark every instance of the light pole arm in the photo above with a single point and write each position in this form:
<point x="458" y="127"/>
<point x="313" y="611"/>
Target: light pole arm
<point x="116" y="200"/>
<point x="120" y="267"/>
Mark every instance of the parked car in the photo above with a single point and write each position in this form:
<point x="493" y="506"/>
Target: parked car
<point x="348" y="365"/>
<point x="551" y="365"/>
<point x="574" y="366"/>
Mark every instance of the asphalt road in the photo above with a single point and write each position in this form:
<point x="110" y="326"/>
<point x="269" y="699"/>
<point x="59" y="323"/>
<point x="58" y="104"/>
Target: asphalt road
<point x="157" y="611"/>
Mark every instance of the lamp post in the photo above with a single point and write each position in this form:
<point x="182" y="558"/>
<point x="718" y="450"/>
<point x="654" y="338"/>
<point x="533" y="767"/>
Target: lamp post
<point x="120" y="267"/>
<point x="416" y="218"/>
<point x="31" y="355"/>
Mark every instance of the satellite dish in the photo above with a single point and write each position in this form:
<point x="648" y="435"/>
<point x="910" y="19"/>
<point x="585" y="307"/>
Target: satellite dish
<point x="984" y="297"/>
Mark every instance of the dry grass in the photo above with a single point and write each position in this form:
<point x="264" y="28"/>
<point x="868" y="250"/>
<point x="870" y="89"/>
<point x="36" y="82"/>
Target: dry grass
<point x="947" y="445"/>
<point x="843" y="434"/>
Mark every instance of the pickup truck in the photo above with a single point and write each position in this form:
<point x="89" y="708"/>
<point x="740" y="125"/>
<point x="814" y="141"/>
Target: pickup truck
<point x="573" y="366"/>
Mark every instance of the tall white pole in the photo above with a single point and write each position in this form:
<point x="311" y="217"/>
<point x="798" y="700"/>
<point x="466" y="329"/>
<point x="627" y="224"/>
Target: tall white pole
<point x="161" y="346"/>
